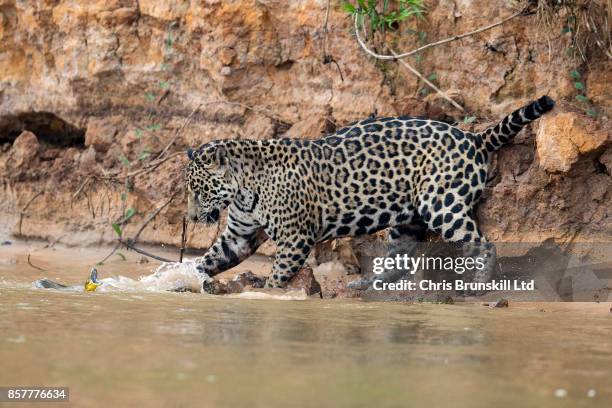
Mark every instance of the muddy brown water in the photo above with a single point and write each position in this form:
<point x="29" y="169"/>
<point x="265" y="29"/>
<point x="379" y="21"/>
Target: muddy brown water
<point x="161" y="349"/>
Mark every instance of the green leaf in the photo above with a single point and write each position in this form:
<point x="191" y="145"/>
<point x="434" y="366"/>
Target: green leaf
<point x="362" y="4"/>
<point x="154" y="127"/>
<point x="138" y="133"/>
<point x="579" y="86"/>
<point x="582" y="98"/>
<point x="144" y="155"/>
<point x="150" y="96"/>
<point x="591" y="112"/>
<point x="422" y="36"/>
<point x="123" y="197"/>
<point x="124" y="160"/>
<point x="432" y="77"/>
<point x="129" y="213"/>
<point x="349" y="8"/>
<point x="469" y="119"/>
<point x="120" y="255"/>
<point x="164" y="84"/>
<point x="168" y="41"/>
<point x="117" y="229"/>
<point x="575" y="74"/>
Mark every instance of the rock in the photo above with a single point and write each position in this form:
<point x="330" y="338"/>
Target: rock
<point x="334" y="280"/>
<point x="100" y="133"/>
<point x="309" y="128"/>
<point x="341" y="250"/>
<point x="259" y="127"/>
<point x="165" y="10"/>
<point x="437" y="107"/>
<point x="215" y="287"/>
<point x="562" y="137"/>
<point x="248" y="281"/>
<point x="111" y="158"/>
<point x="606" y="160"/>
<point x="499" y="303"/>
<point x="25" y="149"/>
<point x="125" y="15"/>
<point x="446" y="299"/>
<point x="227" y="55"/>
<point x="87" y="160"/>
<point x="245" y="280"/>
<point x="305" y="279"/>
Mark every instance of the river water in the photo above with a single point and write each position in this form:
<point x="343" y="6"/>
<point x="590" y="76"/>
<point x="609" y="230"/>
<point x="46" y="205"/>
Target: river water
<point x="143" y="347"/>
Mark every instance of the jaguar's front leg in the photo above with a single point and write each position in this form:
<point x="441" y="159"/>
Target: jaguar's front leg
<point x="229" y="250"/>
<point x="290" y="256"/>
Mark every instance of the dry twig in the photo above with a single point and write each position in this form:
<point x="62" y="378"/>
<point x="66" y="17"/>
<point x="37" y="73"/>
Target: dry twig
<point x="178" y="132"/>
<point x="128" y="245"/>
<point x="431" y="45"/>
<point x="149" y="219"/>
<point x="81" y="187"/>
<point x="25" y="207"/>
<point x="34" y="266"/>
<point x="429" y="83"/>
<point x="183" y="240"/>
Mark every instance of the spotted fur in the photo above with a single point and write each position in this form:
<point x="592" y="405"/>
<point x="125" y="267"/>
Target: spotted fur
<point x="402" y="172"/>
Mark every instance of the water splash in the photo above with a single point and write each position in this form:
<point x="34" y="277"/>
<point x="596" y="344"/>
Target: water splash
<point x="170" y="276"/>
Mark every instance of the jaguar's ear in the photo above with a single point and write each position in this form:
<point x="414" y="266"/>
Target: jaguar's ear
<point x="190" y="154"/>
<point x="211" y="156"/>
<point x="216" y="156"/>
<point x="220" y="156"/>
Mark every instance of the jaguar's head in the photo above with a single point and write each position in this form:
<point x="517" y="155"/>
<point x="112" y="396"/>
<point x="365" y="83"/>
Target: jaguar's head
<point x="210" y="185"/>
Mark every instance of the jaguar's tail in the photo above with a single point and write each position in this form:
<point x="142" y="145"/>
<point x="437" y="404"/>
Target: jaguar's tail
<point x="497" y="136"/>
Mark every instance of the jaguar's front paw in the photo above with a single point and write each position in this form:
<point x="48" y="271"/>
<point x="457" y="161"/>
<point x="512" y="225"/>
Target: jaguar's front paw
<point x="214" y="287"/>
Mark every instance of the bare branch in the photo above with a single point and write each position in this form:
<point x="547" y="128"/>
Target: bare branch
<point x="183" y="239"/>
<point x="428" y="82"/>
<point x="25" y="207"/>
<point x="131" y="246"/>
<point x="34" y="266"/>
<point x="178" y="132"/>
<point x="435" y="44"/>
<point x="149" y="219"/>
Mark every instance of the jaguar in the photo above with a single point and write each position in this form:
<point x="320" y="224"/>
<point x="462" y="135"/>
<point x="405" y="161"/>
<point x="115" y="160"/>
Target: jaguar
<point x="404" y="173"/>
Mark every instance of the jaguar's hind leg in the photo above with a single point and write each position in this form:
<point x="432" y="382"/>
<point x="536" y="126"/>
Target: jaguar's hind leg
<point x="460" y="227"/>
<point x="403" y="239"/>
<point x="290" y="256"/>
